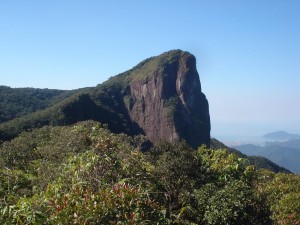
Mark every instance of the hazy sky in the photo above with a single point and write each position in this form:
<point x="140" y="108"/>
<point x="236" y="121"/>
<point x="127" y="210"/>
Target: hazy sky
<point x="248" y="51"/>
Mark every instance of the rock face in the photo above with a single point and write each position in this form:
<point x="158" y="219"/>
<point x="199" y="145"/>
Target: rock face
<point x="167" y="102"/>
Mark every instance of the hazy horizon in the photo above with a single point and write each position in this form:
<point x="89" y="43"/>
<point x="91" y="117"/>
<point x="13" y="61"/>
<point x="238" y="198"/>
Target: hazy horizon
<point x="248" y="53"/>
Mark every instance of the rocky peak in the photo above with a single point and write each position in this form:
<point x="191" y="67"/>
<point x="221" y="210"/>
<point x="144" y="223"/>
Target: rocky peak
<point x="166" y="99"/>
<point x="160" y="97"/>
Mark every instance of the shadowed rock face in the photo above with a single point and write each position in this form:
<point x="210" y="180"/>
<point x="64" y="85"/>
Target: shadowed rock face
<point x="167" y="102"/>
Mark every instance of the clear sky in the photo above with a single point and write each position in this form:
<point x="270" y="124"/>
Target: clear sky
<point x="248" y="51"/>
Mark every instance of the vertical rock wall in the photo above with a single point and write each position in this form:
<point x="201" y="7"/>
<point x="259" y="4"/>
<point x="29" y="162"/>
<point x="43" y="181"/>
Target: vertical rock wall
<point x="168" y="102"/>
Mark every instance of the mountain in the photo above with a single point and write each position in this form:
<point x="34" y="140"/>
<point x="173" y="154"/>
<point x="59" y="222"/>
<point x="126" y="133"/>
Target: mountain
<point x="281" y="136"/>
<point x="160" y="97"/>
<point x="285" y="154"/>
<point x="167" y="102"/>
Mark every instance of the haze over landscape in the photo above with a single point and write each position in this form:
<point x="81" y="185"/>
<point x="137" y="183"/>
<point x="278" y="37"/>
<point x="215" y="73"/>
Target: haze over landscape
<point x="248" y="52"/>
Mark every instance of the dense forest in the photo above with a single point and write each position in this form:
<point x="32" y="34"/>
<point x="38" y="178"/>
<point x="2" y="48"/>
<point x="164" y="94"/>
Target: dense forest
<point x="17" y="102"/>
<point x="84" y="174"/>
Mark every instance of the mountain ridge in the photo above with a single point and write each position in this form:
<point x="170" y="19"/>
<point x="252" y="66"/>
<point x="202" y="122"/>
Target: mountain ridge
<point x="17" y="102"/>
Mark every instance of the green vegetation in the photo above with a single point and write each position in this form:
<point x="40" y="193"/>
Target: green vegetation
<point x="285" y="153"/>
<point x="70" y="172"/>
<point x="171" y="105"/>
<point x="145" y="69"/>
<point x="104" y="104"/>
<point x="23" y="109"/>
<point x="257" y="161"/>
<point x="283" y="191"/>
<point x="155" y="65"/>
<point x="65" y="112"/>
<point x="17" y="102"/>
<point x="84" y="174"/>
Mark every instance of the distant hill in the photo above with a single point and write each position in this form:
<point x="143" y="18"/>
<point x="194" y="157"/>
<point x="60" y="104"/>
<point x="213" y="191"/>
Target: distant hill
<point x="293" y="143"/>
<point x="243" y="152"/>
<point x="160" y="97"/>
<point x="285" y="154"/>
<point x="281" y="136"/>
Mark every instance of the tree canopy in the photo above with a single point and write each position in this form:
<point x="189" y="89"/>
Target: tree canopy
<point x="84" y="174"/>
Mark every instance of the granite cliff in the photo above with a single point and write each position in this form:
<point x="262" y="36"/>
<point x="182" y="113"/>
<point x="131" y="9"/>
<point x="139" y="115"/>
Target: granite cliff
<point x="167" y="102"/>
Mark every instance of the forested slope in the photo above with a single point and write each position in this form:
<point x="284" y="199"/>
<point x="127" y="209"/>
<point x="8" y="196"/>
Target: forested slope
<point x="17" y="102"/>
<point x="84" y="174"/>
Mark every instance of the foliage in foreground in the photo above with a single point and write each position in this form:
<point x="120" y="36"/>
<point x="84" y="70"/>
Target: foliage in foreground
<point x="83" y="174"/>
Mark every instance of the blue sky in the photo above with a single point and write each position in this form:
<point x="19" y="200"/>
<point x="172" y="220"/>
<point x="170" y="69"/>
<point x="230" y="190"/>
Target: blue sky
<point x="248" y="52"/>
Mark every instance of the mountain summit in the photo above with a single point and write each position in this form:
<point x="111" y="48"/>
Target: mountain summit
<point x="166" y="99"/>
<point x="160" y="97"/>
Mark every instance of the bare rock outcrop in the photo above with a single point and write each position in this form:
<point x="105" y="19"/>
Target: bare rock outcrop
<point x="166" y="100"/>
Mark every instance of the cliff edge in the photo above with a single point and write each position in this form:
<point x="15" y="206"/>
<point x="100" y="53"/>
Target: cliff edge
<point x="166" y="100"/>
